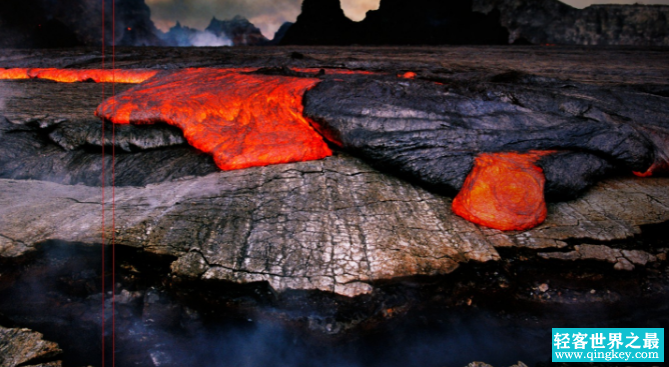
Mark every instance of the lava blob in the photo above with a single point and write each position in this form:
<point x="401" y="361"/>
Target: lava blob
<point x="243" y="120"/>
<point x="14" y="74"/>
<point x="504" y="191"/>
<point x="133" y="76"/>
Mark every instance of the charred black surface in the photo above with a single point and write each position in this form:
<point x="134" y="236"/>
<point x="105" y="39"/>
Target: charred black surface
<point x="69" y="152"/>
<point x="432" y="131"/>
<point x="569" y="174"/>
<point x="286" y="71"/>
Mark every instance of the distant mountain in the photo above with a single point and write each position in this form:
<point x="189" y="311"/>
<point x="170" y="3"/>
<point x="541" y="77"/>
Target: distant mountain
<point x="180" y="36"/>
<point x="322" y="22"/>
<point x="396" y="22"/>
<point x="281" y="33"/>
<point x="553" y="22"/>
<point x="238" y="30"/>
<point x="432" y="22"/>
<point x="65" y="23"/>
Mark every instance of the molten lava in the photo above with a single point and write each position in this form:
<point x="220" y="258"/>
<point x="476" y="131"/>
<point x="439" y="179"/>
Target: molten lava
<point x="504" y="191"/>
<point x="71" y="76"/>
<point x="14" y="74"/>
<point x="243" y="120"/>
<point x="246" y="120"/>
<point x="648" y="173"/>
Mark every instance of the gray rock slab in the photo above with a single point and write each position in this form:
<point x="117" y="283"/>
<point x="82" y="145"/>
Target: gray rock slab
<point x="335" y="225"/>
<point x="24" y="347"/>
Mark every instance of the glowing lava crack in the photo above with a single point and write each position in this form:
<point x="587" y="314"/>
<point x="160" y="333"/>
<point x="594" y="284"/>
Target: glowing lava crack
<point x="243" y="120"/>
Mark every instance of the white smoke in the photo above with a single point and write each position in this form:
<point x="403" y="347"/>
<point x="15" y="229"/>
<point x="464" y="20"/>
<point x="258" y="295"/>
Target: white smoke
<point x="209" y="39"/>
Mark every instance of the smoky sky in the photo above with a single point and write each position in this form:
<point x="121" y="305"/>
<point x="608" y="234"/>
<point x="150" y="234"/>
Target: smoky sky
<point x="268" y="15"/>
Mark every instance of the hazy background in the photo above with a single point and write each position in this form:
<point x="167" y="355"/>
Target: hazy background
<point x="268" y="15"/>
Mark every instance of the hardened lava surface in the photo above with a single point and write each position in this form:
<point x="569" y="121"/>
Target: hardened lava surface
<point x="412" y="128"/>
<point x="432" y="131"/>
<point x="380" y="207"/>
<point x="352" y="251"/>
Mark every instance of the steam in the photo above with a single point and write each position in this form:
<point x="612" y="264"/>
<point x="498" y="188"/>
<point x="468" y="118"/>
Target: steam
<point x="208" y="39"/>
<point x="198" y="13"/>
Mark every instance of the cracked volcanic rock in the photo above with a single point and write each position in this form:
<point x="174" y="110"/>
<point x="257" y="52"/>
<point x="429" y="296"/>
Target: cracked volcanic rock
<point x="335" y="225"/>
<point x="23" y="347"/>
<point x="68" y="152"/>
<point x="623" y="259"/>
<point x="339" y="224"/>
<point x="432" y="132"/>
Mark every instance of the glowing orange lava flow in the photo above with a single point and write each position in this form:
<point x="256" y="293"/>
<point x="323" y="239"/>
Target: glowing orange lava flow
<point x="134" y="76"/>
<point x="7" y="74"/>
<point x="243" y="120"/>
<point x="504" y="191"/>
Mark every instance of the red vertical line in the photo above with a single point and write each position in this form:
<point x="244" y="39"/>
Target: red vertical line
<point x="103" y="191"/>
<point x="113" y="183"/>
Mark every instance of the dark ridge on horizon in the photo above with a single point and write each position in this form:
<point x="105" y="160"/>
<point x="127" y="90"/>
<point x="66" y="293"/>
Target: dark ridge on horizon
<point x="597" y="24"/>
<point x="432" y="22"/>
<point x="396" y="22"/>
<point x="68" y="23"/>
